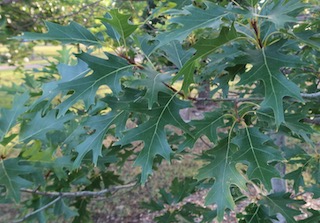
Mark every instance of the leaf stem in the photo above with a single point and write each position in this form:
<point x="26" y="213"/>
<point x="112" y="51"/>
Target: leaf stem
<point x="38" y="210"/>
<point x="78" y="193"/>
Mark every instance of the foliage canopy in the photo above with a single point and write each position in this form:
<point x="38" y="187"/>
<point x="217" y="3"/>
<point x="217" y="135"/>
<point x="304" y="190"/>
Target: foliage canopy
<point x="250" y="68"/>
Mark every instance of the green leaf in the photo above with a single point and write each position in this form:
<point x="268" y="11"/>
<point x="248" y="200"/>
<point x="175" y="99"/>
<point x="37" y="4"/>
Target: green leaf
<point x="181" y="3"/>
<point x="105" y="72"/>
<point x="176" y="54"/>
<point x="11" y="177"/>
<point x="61" y="208"/>
<point x="266" y="64"/>
<point x="315" y="189"/>
<point x="204" y="47"/>
<point x="154" y="83"/>
<point x="97" y="127"/>
<point x="36" y="154"/>
<point x="40" y="125"/>
<point x="153" y="133"/>
<point x="73" y="33"/>
<point x="208" y="125"/>
<point x="118" y="25"/>
<point x="68" y="73"/>
<point x="279" y="203"/>
<point x="297" y="177"/>
<point x="193" y="18"/>
<point x="281" y="11"/>
<point x="308" y="37"/>
<point x="223" y="170"/>
<point x="253" y="213"/>
<point x="254" y="153"/>
<point x="8" y="117"/>
<point x="181" y="189"/>
<point x="293" y="122"/>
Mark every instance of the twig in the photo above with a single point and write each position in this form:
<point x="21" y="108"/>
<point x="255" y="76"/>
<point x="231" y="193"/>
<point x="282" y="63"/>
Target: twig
<point x="304" y="95"/>
<point x="311" y="95"/>
<point x="38" y="210"/>
<point x="204" y="142"/>
<point x="78" y="193"/>
<point x="211" y="99"/>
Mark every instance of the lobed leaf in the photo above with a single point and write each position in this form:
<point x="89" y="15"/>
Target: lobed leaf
<point x="225" y="174"/>
<point x="118" y="25"/>
<point x="204" y="48"/>
<point x="12" y="177"/>
<point x="73" y="33"/>
<point x="254" y="153"/>
<point x="8" y="117"/>
<point x="192" y="18"/>
<point x="266" y="64"/>
<point x="105" y="72"/>
<point x="152" y="132"/>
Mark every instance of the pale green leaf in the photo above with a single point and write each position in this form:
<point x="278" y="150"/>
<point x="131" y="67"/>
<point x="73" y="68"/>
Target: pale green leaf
<point x="40" y="125"/>
<point x="67" y="73"/>
<point x="192" y="18"/>
<point x="105" y="72"/>
<point x="154" y="83"/>
<point x="8" y="117"/>
<point x="281" y="12"/>
<point x="12" y="177"/>
<point x="73" y="33"/>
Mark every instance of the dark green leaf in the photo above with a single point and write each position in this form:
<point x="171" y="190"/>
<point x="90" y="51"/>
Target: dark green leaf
<point x="152" y="132"/>
<point x="154" y="83"/>
<point x="176" y="54"/>
<point x="96" y="128"/>
<point x="281" y="11"/>
<point x="208" y="125"/>
<point x="266" y="67"/>
<point x="279" y="203"/>
<point x="118" y="25"/>
<point x="204" y="47"/>
<point x="254" y="153"/>
<point x="223" y="170"/>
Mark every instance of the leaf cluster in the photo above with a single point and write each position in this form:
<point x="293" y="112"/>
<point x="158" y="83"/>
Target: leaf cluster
<point x="242" y="74"/>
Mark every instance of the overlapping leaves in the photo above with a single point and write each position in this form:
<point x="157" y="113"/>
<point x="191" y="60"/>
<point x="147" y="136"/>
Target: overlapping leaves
<point x="204" y="48"/>
<point x="153" y="133"/>
<point x="192" y="18"/>
<point x="105" y="72"/>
